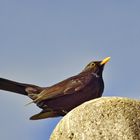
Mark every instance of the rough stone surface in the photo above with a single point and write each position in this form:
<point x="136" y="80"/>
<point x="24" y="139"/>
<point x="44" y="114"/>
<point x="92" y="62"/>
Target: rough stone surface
<point x="106" y="118"/>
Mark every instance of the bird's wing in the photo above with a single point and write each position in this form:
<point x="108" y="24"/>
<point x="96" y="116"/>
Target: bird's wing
<point x="69" y="86"/>
<point x="77" y="84"/>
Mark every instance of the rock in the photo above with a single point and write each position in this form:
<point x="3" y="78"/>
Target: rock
<point x="106" y="118"/>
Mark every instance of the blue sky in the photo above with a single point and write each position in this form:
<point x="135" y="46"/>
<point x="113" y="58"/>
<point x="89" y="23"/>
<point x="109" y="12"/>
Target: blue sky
<point x="43" y="42"/>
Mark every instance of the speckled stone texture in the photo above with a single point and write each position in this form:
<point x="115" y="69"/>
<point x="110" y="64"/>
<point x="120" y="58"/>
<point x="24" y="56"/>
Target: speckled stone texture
<point x="106" y="118"/>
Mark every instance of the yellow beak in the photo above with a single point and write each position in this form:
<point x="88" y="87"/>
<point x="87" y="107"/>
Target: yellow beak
<point x="105" y="61"/>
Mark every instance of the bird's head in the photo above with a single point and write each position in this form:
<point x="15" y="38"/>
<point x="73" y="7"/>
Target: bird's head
<point x="96" y="66"/>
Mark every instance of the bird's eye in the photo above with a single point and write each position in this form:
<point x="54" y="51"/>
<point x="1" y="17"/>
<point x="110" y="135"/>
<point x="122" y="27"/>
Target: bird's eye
<point x="92" y="64"/>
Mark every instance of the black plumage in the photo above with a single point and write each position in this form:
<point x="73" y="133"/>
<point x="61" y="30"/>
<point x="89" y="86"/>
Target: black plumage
<point x="59" y="99"/>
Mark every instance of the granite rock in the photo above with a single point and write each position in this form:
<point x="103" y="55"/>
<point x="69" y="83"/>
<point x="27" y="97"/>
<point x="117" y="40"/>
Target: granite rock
<point x="106" y="118"/>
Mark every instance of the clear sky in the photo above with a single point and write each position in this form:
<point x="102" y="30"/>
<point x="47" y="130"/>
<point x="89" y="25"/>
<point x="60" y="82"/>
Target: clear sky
<point x="45" y="41"/>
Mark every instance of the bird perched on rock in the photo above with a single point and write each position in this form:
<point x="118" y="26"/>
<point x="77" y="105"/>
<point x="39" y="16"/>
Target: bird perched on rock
<point x="59" y="99"/>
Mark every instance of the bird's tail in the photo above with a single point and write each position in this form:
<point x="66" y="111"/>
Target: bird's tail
<point x="20" y="88"/>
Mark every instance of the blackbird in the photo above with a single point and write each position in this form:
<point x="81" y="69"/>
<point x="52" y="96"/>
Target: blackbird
<point x="59" y="99"/>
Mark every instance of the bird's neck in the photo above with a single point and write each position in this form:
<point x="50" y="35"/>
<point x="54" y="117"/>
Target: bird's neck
<point x="96" y="74"/>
